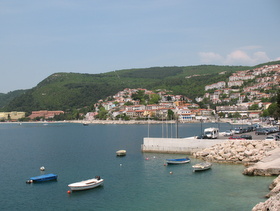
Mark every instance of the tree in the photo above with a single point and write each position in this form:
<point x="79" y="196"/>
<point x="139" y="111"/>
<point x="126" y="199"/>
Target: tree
<point x="128" y="103"/>
<point x="265" y="113"/>
<point x="154" y="99"/>
<point x="272" y="109"/>
<point x="168" y="98"/>
<point x="170" y="114"/>
<point x="236" y="115"/>
<point x="221" y="114"/>
<point x="277" y="112"/>
<point x="102" y="114"/>
<point x="253" y="107"/>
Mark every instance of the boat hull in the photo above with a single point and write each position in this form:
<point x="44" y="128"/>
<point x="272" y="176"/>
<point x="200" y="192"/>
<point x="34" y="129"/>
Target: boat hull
<point x="178" y="161"/>
<point x="202" y="166"/>
<point x="42" y="178"/>
<point x="85" y="185"/>
<point x="121" y="152"/>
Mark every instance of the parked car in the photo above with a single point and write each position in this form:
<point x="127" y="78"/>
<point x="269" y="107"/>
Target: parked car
<point x="236" y="138"/>
<point x="228" y="133"/>
<point x="277" y="137"/>
<point x="237" y="131"/>
<point x="248" y="137"/>
<point x="249" y="129"/>
<point x="261" y="132"/>
<point x="244" y="130"/>
<point x="270" y="138"/>
<point x="270" y="130"/>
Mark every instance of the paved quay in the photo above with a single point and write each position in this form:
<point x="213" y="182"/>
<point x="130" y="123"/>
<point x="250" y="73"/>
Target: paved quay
<point x="186" y="145"/>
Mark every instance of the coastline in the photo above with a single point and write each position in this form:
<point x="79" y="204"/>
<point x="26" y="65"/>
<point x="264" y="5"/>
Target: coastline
<point x="126" y="122"/>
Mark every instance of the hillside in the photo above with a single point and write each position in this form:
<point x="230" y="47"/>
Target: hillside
<point x="68" y="91"/>
<point x="7" y="98"/>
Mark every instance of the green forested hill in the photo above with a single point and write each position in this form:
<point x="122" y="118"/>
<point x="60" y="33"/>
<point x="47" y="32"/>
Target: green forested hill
<point x="68" y="91"/>
<point x="6" y="98"/>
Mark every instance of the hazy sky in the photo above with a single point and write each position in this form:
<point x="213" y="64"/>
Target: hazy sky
<point x="42" y="37"/>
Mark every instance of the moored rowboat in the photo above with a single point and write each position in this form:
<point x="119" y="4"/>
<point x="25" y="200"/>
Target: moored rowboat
<point x="178" y="161"/>
<point x="86" y="184"/>
<point x="202" y="166"/>
<point x="121" y="152"/>
<point x="42" y="178"/>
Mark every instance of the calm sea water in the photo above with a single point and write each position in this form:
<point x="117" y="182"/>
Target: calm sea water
<point x="138" y="181"/>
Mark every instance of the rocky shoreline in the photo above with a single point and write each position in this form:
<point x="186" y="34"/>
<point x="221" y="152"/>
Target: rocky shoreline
<point x="261" y="158"/>
<point x="273" y="203"/>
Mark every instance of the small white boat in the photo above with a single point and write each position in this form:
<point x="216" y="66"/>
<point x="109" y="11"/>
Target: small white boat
<point x="202" y="166"/>
<point x="42" y="168"/>
<point x="86" y="184"/>
<point x="121" y="152"/>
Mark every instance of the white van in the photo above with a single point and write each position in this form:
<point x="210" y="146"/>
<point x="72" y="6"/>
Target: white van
<point x="211" y="132"/>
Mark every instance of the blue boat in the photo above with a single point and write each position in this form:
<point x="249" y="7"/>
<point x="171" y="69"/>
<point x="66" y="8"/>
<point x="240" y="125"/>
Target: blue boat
<point x="42" y="178"/>
<point x="178" y="160"/>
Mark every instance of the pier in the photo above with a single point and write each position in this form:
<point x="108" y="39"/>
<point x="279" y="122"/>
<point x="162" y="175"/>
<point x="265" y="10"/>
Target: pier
<point x="178" y="145"/>
<point x="187" y="145"/>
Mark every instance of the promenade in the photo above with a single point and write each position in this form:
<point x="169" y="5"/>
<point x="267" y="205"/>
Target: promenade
<point x="186" y="145"/>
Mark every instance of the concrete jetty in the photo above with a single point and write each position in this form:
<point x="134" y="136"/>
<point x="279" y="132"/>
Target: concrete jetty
<point x="178" y="145"/>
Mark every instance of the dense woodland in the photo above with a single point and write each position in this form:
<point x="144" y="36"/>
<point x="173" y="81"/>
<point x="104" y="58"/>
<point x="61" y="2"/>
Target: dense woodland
<point x="75" y="91"/>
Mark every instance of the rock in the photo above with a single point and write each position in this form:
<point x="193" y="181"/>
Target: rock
<point x="250" y="146"/>
<point x="204" y="154"/>
<point x="272" y="204"/>
<point x="248" y="153"/>
<point x="275" y="182"/>
<point x="238" y="151"/>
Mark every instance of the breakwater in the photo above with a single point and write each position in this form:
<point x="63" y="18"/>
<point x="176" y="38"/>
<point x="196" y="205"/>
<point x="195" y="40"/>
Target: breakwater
<point x="238" y="151"/>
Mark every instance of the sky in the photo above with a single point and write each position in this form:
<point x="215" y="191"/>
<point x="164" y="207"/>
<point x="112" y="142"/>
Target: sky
<point x="39" y="37"/>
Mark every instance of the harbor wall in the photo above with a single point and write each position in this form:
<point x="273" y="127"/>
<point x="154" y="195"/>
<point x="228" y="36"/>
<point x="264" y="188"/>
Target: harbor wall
<point x="178" y="145"/>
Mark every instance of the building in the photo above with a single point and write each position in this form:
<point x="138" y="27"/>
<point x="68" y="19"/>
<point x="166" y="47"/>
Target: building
<point x="44" y="114"/>
<point x="13" y="115"/>
<point x="219" y="85"/>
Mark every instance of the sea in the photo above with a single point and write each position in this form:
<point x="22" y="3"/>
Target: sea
<point x="137" y="181"/>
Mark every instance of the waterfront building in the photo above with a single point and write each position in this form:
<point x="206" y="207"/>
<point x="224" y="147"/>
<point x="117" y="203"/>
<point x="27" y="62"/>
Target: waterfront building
<point x="13" y="115"/>
<point x="45" y="114"/>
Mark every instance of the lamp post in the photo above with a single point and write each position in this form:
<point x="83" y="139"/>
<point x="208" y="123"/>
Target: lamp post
<point x="148" y="127"/>
<point x="201" y="120"/>
<point x="177" y="121"/>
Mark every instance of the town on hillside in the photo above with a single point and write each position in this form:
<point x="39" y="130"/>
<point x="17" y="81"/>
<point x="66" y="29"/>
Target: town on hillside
<point x="235" y="98"/>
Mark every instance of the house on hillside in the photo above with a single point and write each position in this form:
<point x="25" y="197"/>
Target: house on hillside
<point x="184" y="114"/>
<point x="235" y="83"/>
<point x="219" y="85"/>
<point x="90" y="116"/>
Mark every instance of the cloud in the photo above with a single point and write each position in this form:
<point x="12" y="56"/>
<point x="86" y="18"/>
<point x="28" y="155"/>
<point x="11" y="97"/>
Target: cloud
<point x="210" y="57"/>
<point x="240" y="57"/>
<point x="237" y="57"/>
